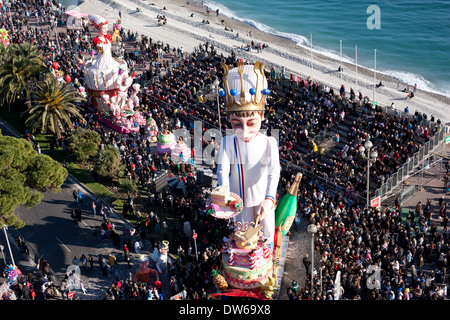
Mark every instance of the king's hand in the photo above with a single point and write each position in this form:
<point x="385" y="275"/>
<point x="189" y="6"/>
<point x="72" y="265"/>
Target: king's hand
<point x="265" y="208"/>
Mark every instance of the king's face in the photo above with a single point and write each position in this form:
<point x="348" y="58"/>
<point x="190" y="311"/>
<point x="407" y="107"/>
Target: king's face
<point x="246" y="128"/>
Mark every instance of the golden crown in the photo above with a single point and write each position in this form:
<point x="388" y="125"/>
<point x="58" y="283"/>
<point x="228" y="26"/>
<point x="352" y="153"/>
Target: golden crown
<point x="252" y="92"/>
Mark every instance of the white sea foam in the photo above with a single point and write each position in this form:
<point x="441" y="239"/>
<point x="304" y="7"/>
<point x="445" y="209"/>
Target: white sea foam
<point x="412" y="79"/>
<point x="230" y="14"/>
<point x="300" y="40"/>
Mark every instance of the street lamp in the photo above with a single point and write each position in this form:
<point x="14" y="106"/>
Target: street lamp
<point x="215" y="85"/>
<point x="370" y="156"/>
<point x="5" y="228"/>
<point x="312" y="229"/>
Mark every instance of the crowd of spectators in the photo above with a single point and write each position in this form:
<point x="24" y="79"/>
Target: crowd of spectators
<point x="303" y="109"/>
<point x="174" y="93"/>
<point x="410" y="253"/>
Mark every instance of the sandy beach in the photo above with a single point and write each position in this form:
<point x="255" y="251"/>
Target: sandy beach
<point x="187" y="31"/>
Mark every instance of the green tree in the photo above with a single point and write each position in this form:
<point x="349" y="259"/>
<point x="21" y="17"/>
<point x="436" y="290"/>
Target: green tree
<point x="24" y="175"/>
<point x="84" y="144"/>
<point x="22" y="66"/>
<point x="46" y="173"/>
<point x="108" y="163"/>
<point x="128" y="186"/>
<point x="55" y="102"/>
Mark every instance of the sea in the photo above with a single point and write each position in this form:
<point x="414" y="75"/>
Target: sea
<point x="409" y="40"/>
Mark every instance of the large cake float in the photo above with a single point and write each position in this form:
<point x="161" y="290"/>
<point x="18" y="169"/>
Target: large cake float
<point x="247" y="260"/>
<point x="166" y="142"/>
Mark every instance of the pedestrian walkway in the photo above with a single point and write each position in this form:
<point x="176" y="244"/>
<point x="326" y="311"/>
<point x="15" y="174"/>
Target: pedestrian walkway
<point x="431" y="187"/>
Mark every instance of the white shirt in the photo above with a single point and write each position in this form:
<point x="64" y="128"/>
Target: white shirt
<point x="251" y="169"/>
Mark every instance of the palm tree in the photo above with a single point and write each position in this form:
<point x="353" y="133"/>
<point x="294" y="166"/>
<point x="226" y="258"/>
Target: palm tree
<point x="22" y="64"/>
<point x="54" y="104"/>
<point x="4" y="52"/>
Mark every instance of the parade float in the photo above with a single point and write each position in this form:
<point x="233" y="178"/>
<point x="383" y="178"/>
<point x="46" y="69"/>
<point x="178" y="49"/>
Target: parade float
<point x="12" y="275"/>
<point x="249" y="268"/>
<point x="253" y="254"/>
<point x="109" y="84"/>
<point x="165" y="142"/>
<point x="181" y="152"/>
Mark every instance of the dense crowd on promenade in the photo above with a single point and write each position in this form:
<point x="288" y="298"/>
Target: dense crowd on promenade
<point x="350" y="238"/>
<point x="306" y="110"/>
<point x="353" y="239"/>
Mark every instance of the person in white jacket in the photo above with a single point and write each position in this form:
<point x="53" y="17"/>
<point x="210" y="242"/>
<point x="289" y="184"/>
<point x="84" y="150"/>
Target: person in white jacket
<point x="248" y="159"/>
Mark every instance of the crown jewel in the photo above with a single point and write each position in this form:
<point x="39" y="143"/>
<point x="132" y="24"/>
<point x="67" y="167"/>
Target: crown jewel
<point x="245" y="87"/>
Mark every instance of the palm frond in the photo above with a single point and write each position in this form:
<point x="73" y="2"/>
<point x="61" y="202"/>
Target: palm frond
<point x="53" y="106"/>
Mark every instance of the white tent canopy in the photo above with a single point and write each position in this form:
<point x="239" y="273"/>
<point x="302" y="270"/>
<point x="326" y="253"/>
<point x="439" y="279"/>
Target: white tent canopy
<point x="74" y="18"/>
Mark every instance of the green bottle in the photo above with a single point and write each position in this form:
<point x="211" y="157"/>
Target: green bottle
<point x="287" y="207"/>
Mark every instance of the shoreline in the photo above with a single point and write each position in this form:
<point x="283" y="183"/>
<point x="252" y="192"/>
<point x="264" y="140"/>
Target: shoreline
<point x="183" y="30"/>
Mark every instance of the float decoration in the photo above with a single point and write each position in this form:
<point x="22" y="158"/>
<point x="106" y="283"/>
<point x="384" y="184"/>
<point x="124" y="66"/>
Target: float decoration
<point x="287" y="207"/>
<point x="12" y="274"/>
<point x="4" y="37"/>
<point x="247" y="262"/>
<point x="219" y="281"/>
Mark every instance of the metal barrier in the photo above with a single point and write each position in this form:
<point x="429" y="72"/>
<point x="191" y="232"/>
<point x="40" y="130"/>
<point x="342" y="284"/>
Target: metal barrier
<point x="408" y="193"/>
<point x="417" y="159"/>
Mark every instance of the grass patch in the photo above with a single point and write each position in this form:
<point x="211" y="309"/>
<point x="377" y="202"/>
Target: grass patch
<point x="83" y="175"/>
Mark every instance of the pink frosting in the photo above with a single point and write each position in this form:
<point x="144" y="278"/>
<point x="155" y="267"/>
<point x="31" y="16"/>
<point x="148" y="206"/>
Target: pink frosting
<point x="214" y="206"/>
